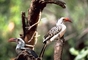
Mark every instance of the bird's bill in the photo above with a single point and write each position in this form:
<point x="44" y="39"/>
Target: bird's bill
<point x="12" y="40"/>
<point x="67" y="20"/>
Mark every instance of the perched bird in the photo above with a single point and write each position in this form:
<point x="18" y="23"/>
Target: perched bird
<point x="21" y="46"/>
<point x="57" y="31"/>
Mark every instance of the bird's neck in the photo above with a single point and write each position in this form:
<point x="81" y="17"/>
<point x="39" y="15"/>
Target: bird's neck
<point x="20" y="45"/>
<point x="59" y="22"/>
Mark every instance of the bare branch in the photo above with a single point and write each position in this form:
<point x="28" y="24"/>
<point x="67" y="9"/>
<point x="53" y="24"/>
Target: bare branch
<point x="70" y="36"/>
<point x="32" y="36"/>
<point x="84" y="32"/>
<point x="33" y="25"/>
<point x="58" y="2"/>
<point x="58" y="49"/>
<point x="23" y="24"/>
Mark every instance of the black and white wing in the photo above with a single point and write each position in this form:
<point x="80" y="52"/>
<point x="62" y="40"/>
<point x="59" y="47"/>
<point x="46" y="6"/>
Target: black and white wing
<point x="53" y="31"/>
<point x="30" y="51"/>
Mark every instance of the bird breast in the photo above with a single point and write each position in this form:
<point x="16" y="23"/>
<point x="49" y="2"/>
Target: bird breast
<point x="62" y="32"/>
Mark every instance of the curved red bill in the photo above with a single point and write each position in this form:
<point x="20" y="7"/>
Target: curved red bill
<point x="12" y="40"/>
<point x="67" y="20"/>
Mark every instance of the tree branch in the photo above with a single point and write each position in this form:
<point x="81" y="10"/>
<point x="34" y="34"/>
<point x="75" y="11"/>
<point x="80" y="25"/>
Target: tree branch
<point x="58" y="49"/>
<point x="34" y="14"/>
<point x="23" y="24"/>
<point x="58" y="2"/>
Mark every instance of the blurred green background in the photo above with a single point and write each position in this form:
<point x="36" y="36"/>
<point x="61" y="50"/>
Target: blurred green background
<point x="76" y="45"/>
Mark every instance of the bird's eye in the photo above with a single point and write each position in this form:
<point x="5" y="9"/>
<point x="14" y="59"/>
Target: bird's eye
<point x="18" y="39"/>
<point x="63" y="19"/>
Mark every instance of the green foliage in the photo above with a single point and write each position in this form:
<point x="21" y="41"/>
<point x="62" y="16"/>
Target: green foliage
<point x="73" y="51"/>
<point x="83" y="54"/>
<point x="10" y="23"/>
<point x="80" y="55"/>
<point x="10" y="26"/>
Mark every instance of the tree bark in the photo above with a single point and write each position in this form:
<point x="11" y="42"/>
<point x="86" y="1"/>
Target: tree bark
<point x="33" y="16"/>
<point x="58" y="49"/>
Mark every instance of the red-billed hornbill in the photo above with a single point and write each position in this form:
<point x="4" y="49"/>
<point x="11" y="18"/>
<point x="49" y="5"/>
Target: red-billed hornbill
<point x="54" y="33"/>
<point x="21" y="46"/>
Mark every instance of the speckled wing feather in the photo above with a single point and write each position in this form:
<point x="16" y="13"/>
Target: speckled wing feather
<point x="53" y="31"/>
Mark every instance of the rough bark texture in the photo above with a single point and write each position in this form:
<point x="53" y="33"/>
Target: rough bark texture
<point x="29" y="34"/>
<point x="33" y="16"/>
<point x="58" y="49"/>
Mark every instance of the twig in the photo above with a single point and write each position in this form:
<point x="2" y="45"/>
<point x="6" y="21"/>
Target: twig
<point x="70" y="36"/>
<point x="32" y="36"/>
<point x="58" y="2"/>
<point x="23" y="24"/>
<point x="32" y="27"/>
<point x="81" y="37"/>
<point x="34" y="23"/>
<point x="27" y="45"/>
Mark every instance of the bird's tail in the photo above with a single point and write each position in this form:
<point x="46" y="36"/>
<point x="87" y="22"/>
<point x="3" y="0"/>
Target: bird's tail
<point x="30" y="51"/>
<point x="45" y="40"/>
<point x="42" y="51"/>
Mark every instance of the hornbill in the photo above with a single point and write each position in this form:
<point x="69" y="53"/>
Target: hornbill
<point x="21" y="46"/>
<point x="55" y="32"/>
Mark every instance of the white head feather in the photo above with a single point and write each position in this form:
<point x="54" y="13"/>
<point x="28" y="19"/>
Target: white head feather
<point x="20" y="44"/>
<point x="60" y="21"/>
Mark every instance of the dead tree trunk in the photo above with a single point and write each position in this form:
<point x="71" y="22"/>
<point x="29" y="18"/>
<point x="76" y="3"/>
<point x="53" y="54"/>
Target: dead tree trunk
<point x="30" y="24"/>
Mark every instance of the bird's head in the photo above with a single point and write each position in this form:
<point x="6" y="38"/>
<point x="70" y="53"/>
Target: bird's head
<point x="62" y="20"/>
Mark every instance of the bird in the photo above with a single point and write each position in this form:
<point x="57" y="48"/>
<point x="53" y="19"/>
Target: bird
<point x="54" y="33"/>
<point x="57" y="31"/>
<point x="21" y="46"/>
